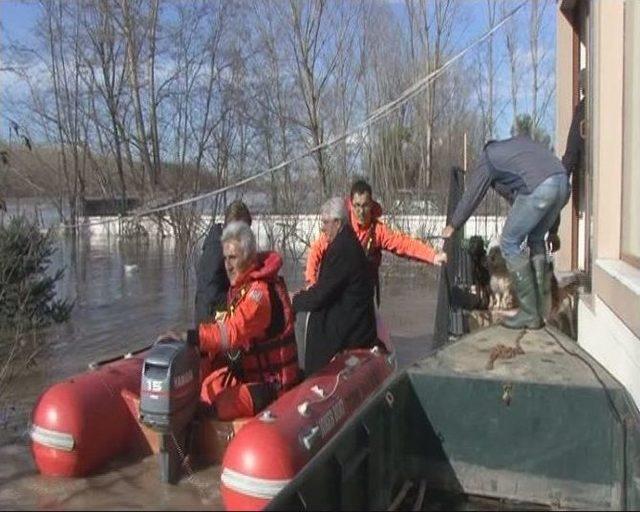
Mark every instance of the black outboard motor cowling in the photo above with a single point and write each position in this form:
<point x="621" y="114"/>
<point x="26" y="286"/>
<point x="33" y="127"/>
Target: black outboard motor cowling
<point x="169" y="394"/>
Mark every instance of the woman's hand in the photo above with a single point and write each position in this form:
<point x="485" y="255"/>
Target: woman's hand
<point x="440" y="258"/>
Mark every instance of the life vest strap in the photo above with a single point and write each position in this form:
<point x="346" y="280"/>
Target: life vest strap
<point x="274" y="368"/>
<point x="267" y="346"/>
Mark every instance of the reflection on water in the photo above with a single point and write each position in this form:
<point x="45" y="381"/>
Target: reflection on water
<point x="125" y="294"/>
<point x="123" y="485"/>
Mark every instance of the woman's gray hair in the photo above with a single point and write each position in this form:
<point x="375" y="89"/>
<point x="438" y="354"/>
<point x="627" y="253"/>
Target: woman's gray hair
<point x="335" y="209"/>
<point x="241" y="233"/>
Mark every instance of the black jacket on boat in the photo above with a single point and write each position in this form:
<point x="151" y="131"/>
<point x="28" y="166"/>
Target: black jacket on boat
<point x="212" y="281"/>
<point x="340" y="302"/>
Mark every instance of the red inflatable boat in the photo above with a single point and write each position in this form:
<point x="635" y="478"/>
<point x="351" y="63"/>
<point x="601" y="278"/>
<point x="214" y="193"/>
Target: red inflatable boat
<point x="78" y="425"/>
<point x="270" y="449"/>
<point x="84" y="422"/>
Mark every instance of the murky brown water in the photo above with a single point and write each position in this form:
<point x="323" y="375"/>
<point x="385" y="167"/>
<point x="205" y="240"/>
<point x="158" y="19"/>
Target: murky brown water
<point x="119" y="308"/>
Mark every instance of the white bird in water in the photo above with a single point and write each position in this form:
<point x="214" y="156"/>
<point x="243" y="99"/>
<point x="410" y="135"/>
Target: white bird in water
<point x="130" y="268"/>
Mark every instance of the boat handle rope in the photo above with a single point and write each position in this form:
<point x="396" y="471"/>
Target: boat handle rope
<point x="303" y="407"/>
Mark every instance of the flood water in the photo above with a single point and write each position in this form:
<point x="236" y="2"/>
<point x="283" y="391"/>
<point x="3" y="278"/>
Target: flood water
<point x="126" y="293"/>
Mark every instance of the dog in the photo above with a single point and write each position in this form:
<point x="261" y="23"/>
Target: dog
<point x="480" y="276"/>
<point x="495" y="291"/>
<point x="563" y="314"/>
<point x="503" y="294"/>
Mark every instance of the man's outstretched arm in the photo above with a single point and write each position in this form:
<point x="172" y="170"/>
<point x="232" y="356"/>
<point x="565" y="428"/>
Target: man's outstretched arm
<point x="402" y="244"/>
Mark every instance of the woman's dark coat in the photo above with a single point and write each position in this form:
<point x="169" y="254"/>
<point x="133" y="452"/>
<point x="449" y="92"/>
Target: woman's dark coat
<point x="341" y="303"/>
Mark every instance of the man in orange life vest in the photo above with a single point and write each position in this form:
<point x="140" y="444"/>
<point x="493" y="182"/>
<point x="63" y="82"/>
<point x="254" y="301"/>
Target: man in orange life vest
<point x="256" y="334"/>
<point x="364" y="214"/>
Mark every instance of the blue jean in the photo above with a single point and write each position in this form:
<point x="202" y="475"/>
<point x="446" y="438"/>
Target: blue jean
<point x="532" y="215"/>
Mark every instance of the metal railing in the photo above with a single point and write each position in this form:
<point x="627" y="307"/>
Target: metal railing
<point x="456" y="278"/>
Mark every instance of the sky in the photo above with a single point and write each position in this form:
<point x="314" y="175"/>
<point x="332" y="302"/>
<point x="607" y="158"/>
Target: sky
<point x="17" y="22"/>
<point x="18" y="18"/>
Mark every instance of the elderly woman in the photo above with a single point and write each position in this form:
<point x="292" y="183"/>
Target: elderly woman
<point x="341" y="300"/>
<point x="256" y="335"/>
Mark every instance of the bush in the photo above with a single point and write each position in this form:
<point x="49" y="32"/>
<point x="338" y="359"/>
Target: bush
<point x="27" y="293"/>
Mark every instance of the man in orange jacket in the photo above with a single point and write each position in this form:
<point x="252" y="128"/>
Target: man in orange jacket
<point x="374" y="236"/>
<point x="256" y="334"/>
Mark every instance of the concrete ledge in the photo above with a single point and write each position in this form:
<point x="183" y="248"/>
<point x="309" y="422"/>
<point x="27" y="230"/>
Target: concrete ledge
<point x="626" y="274"/>
<point x="611" y="343"/>
<point x="618" y="285"/>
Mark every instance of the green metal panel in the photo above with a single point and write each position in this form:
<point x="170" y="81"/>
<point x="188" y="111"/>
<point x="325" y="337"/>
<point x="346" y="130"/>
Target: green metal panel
<point x="552" y="431"/>
<point x="547" y="442"/>
<point x="549" y="428"/>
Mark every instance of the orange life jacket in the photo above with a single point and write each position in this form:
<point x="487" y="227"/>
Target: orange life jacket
<point x="274" y="359"/>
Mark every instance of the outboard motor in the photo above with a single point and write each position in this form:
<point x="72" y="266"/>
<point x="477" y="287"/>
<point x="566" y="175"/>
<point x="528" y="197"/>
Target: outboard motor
<point x="169" y="395"/>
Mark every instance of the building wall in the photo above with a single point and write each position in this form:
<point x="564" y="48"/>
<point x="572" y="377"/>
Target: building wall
<point x="606" y="124"/>
<point x="564" y="111"/>
<point x="608" y="318"/>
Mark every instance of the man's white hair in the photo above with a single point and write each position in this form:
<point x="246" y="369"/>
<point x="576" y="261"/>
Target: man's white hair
<point x="334" y="209"/>
<point x="240" y="232"/>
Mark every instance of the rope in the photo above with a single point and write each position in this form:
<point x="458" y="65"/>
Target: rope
<point x="377" y="114"/>
<point x="501" y="351"/>
<point x="27" y="180"/>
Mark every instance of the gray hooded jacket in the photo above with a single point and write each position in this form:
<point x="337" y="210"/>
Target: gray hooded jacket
<point x="512" y="166"/>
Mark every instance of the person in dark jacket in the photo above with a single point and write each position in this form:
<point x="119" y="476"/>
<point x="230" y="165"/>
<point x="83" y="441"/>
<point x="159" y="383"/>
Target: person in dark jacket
<point x="574" y="156"/>
<point x="341" y="301"/>
<point x="536" y="184"/>
<point x="211" y="278"/>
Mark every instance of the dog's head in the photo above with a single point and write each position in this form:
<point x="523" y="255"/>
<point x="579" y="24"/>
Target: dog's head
<point x="476" y="248"/>
<point x="496" y="262"/>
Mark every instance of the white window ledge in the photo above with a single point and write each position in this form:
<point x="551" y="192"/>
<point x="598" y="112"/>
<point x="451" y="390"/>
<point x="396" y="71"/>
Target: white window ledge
<point x="626" y="274"/>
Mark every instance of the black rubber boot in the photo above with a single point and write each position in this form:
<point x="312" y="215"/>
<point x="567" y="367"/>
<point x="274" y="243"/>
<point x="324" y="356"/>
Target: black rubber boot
<point x="527" y="316"/>
<point x="542" y="275"/>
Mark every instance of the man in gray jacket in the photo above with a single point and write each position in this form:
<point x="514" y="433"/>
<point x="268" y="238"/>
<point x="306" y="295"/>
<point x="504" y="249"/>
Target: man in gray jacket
<point x="536" y="185"/>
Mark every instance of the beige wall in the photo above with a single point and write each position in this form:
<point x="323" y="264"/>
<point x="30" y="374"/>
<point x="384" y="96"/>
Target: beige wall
<point x="609" y="319"/>
<point x="606" y="125"/>
<point x="564" y="112"/>
<point x="606" y="80"/>
<point x="607" y="136"/>
<point x="614" y="281"/>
